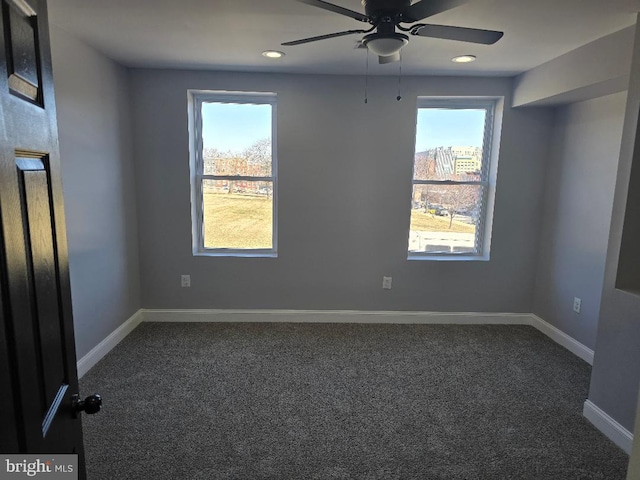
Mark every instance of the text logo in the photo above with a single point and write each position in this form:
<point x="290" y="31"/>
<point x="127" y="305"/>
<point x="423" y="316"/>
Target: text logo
<point x="50" y="467"/>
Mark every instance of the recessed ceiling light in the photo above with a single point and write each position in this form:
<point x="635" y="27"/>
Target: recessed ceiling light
<point x="464" y="59"/>
<point x="272" y="54"/>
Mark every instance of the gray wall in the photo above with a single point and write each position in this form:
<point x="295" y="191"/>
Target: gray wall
<point x="616" y="367"/>
<point x="97" y="168"/>
<point x="344" y="191"/>
<point x="580" y="184"/>
<point x="593" y="70"/>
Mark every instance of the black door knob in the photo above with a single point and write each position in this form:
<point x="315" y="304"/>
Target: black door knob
<point x="92" y="404"/>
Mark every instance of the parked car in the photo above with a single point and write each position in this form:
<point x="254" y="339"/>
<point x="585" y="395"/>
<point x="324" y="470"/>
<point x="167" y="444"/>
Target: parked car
<point x="470" y="211"/>
<point x="437" y="210"/>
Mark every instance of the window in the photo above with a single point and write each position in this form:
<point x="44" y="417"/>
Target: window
<point x="233" y="173"/>
<point x="453" y="180"/>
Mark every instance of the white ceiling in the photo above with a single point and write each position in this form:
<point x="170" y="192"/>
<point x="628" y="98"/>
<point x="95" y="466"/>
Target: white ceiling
<point x="231" y="34"/>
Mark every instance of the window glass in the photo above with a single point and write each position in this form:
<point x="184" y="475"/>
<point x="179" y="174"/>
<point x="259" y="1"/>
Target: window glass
<point x="450" y="179"/>
<point x="233" y="173"/>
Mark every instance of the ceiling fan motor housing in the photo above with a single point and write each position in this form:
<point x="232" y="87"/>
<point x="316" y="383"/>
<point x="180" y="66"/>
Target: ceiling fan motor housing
<point x="380" y="8"/>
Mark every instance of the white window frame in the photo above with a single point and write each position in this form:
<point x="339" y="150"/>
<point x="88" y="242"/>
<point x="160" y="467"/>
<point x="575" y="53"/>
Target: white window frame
<point x="490" y="148"/>
<point x="196" y="163"/>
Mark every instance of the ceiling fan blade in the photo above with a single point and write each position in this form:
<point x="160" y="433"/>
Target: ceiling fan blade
<point x="427" y="8"/>
<point x="322" y="37"/>
<point x="336" y="9"/>
<point x="463" y="34"/>
<point x="389" y="58"/>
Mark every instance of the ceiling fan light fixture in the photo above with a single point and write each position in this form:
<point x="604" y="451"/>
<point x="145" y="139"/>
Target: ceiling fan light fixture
<point x="385" y="44"/>
<point x="464" y="59"/>
<point x="272" y="54"/>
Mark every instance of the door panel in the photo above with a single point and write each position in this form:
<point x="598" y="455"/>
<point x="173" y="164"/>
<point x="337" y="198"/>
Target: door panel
<point x="37" y="347"/>
<point x="41" y="268"/>
<point x="21" y="37"/>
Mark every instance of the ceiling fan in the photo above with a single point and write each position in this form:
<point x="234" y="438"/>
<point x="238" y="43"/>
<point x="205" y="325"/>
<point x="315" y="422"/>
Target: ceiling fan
<point x="387" y="15"/>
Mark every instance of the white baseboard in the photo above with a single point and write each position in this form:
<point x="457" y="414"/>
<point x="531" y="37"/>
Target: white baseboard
<point x="563" y="339"/>
<point x="607" y="425"/>
<point x="336" y="316"/>
<point x="99" y="351"/>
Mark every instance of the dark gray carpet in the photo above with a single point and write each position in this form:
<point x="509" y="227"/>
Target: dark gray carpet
<point x="336" y="401"/>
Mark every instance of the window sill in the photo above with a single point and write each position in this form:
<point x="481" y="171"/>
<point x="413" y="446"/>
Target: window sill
<point x="237" y="254"/>
<point x="450" y="258"/>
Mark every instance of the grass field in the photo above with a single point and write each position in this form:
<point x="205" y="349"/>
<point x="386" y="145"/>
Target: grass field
<point x="237" y="221"/>
<point x="425" y="222"/>
<point x="245" y="221"/>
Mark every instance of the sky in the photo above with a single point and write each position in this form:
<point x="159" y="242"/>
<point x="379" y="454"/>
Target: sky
<point x="448" y="128"/>
<point x="234" y="126"/>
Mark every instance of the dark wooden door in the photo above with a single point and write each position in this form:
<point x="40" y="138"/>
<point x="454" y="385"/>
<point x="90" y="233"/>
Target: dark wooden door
<point x="38" y="375"/>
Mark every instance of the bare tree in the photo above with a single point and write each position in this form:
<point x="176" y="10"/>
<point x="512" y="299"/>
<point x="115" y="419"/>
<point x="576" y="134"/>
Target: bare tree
<point x="260" y="154"/>
<point x="259" y="160"/>
<point x="210" y="156"/>
<point x="217" y="162"/>
<point x="460" y="197"/>
<point x="424" y="168"/>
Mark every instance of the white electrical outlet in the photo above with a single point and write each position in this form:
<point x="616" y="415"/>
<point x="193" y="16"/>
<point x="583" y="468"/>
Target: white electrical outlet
<point x="577" y="303"/>
<point x="185" y="281"/>
<point x="386" y="283"/>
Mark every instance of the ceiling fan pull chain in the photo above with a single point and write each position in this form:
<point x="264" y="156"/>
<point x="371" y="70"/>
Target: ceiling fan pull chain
<point x="366" y="79"/>
<point x="399" y="97"/>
